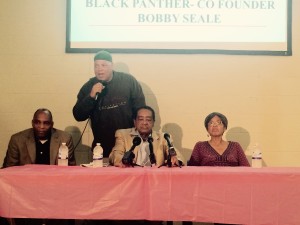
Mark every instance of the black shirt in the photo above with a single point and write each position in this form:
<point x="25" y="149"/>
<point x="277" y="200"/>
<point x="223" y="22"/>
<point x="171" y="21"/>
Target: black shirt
<point x="42" y="152"/>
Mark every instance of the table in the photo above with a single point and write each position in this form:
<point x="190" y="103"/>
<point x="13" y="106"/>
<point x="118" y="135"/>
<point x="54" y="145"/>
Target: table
<point x="239" y="195"/>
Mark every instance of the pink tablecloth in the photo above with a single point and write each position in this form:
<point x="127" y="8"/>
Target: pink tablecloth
<point x="207" y="194"/>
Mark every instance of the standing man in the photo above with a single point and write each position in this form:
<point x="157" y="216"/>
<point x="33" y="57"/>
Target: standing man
<point x="108" y="99"/>
<point x="39" y="144"/>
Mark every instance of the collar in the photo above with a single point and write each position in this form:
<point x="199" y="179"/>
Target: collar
<point x="135" y="133"/>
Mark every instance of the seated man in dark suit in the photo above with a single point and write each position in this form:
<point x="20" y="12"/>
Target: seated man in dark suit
<point x="39" y="145"/>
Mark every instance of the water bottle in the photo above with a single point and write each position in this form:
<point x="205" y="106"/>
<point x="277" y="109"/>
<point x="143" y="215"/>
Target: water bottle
<point x="63" y="153"/>
<point x="256" y="157"/>
<point x="98" y="156"/>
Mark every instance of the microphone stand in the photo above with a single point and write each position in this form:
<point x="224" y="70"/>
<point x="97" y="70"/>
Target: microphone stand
<point x="171" y="152"/>
<point x="151" y="155"/>
<point x="129" y="155"/>
<point x="128" y="159"/>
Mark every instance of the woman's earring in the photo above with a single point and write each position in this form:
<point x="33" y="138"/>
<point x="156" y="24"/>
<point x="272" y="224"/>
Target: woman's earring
<point x="207" y="135"/>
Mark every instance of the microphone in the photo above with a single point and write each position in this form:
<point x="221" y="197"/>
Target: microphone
<point x="172" y="151"/>
<point x="96" y="96"/>
<point x="151" y="155"/>
<point x="129" y="155"/>
<point x="104" y="83"/>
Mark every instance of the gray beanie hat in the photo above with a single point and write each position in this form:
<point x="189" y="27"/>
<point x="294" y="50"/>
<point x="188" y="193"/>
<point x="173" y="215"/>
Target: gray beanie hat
<point x="103" y="55"/>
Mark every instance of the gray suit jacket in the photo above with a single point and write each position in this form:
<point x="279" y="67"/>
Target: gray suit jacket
<point x="22" y="148"/>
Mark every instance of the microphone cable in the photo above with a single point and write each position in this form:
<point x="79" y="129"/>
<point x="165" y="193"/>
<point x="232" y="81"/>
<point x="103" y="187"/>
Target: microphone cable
<point x="80" y="138"/>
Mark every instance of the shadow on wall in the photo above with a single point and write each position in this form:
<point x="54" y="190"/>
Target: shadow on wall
<point x="172" y="128"/>
<point x="83" y="153"/>
<point x="149" y="95"/>
<point x="176" y="133"/>
<point x="152" y="102"/>
<point x="241" y="136"/>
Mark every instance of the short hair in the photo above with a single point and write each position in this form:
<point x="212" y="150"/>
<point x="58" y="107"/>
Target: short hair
<point x="43" y="110"/>
<point x="212" y="115"/>
<point x="135" y="113"/>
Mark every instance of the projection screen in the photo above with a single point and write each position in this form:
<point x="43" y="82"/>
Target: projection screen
<point x="247" y="27"/>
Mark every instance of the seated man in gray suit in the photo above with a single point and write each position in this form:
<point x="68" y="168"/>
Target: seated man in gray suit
<point x="39" y="144"/>
<point x="148" y="147"/>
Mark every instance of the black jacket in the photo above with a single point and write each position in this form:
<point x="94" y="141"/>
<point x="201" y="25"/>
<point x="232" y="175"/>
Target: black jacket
<point x="112" y="110"/>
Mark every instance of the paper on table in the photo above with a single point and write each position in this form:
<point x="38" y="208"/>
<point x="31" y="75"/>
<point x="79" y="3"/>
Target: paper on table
<point x="90" y="165"/>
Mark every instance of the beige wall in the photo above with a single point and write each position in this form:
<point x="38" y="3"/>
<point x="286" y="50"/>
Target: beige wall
<point x="258" y="94"/>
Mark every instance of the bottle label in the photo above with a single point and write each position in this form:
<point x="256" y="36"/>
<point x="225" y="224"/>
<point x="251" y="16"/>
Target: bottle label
<point x="97" y="158"/>
<point x="256" y="157"/>
<point x="63" y="155"/>
<point x="97" y="163"/>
